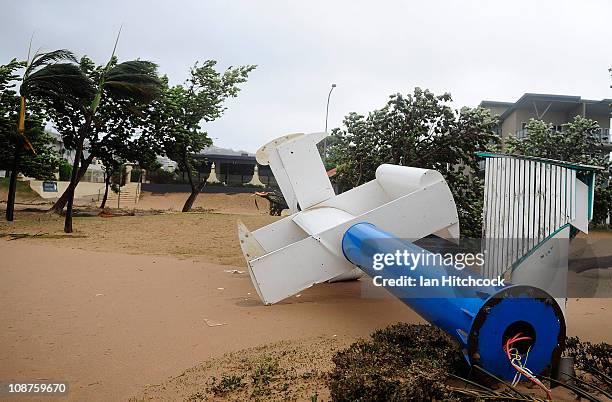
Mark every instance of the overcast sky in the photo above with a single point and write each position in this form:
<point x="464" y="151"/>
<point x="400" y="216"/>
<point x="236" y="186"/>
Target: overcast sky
<point x="473" y="49"/>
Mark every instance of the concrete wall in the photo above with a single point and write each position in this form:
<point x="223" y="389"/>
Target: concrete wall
<point x="237" y="180"/>
<point x="185" y="188"/>
<point x="509" y="126"/>
<point x="83" y="189"/>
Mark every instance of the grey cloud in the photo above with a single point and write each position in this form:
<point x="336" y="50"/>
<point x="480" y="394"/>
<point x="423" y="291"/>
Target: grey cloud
<point x="474" y="49"/>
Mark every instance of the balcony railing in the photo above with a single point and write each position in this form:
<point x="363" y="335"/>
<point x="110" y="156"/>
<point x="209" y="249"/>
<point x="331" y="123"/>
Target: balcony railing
<point x="603" y="135"/>
<point x="600" y="134"/>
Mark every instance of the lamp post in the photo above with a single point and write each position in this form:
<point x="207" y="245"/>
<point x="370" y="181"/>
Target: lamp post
<point x="326" y="116"/>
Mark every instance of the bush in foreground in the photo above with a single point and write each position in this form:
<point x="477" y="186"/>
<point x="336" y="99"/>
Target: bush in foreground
<point x="401" y="362"/>
<point x="406" y="362"/>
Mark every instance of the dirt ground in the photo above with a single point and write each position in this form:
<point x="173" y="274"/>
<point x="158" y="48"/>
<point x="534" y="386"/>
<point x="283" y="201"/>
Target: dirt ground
<point x="111" y="323"/>
<point x="150" y="307"/>
<point x="245" y="203"/>
<point x="207" y="234"/>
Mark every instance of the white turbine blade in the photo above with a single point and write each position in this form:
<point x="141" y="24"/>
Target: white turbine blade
<point x="290" y="270"/>
<point x="305" y="169"/>
<point x="298" y="169"/>
<point x="268" y="155"/>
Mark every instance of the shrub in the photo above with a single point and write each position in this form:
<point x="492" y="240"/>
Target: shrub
<point x="591" y="356"/>
<point x="228" y="383"/>
<point x="402" y="362"/>
<point x="135" y="175"/>
<point x="161" y="176"/>
<point x="65" y="170"/>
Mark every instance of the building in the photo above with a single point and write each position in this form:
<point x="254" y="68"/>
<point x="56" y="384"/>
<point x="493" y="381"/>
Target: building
<point x="95" y="170"/>
<point x="554" y="109"/>
<point x="233" y="167"/>
<point x="57" y="144"/>
<point x="166" y="163"/>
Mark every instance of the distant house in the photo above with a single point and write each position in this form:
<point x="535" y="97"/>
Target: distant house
<point x="554" y="109"/>
<point x="233" y="167"/>
<point x="57" y="144"/>
<point x="166" y="163"/>
<point x="95" y="171"/>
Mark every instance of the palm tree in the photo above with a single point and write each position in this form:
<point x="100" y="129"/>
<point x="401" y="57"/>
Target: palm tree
<point x="134" y="80"/>
<point x="44" y="77"/>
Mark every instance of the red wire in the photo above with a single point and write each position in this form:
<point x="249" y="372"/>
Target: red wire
<point x="509" y="342"/>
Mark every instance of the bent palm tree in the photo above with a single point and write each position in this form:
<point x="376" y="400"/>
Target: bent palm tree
<point x="46" y="78"/>
<point x="134" y="80"/>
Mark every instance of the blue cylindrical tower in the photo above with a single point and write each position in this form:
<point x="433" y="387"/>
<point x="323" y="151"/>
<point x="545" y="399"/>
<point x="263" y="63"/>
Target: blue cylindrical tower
<point x="480" y="318"/>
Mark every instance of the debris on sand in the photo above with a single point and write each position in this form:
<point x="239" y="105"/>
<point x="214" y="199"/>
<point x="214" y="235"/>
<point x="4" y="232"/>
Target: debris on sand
<point x="17" y="236"/>
<point x="233" y="271"/>
<point x="108" y="213"/>
<point x="212" y="323"/>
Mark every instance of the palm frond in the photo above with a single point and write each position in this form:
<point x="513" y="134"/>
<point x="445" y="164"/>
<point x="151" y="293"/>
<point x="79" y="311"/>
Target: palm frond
<point x="59" y="81"/>
<point x="134" y="67"/>
<point x="135" y="79"/>
<point x="43" y="59"/>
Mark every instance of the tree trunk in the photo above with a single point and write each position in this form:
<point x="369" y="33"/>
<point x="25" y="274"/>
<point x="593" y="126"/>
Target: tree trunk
<point x="61" y="202"/>
<point x="195" y="190"/>
<point x="107" y="182"/>
<point x="10" y="202"/>
<point x="72" y="186"/>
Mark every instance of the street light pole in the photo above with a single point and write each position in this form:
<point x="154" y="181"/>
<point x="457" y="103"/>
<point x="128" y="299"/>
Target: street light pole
<point x="326" y="116"/>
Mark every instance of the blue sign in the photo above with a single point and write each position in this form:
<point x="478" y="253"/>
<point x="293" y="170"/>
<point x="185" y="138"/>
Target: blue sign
<point x="49" y="186"/>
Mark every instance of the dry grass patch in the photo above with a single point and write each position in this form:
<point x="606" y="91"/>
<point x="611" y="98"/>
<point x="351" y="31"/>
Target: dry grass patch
<point x="210" y="237"/>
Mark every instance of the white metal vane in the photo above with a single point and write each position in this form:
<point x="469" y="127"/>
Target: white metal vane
<point x="304" y="248"/>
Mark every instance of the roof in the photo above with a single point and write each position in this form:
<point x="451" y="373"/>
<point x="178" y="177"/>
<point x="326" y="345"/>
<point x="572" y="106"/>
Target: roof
<point x="570" y="165"/>
<point x="218" y="153"/>
<point x="486" y="103"/>
<point x="559" y="103"/>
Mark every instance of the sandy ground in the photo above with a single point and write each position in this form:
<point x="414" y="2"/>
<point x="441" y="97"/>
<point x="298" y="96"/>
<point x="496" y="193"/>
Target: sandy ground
<point x="210" y="237"/>
<point x="226" y="203"/>
<point x="242" y="203"/>
<point x="110" y="323"/>
<point x="129" y="302"/>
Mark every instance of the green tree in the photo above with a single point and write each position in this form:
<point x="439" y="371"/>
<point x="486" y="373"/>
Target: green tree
<point x="578" y="143"/>
<point x="44" y="78"/>
<point x="44" y="162"/>
<point x="65" y="170"/>
<point x="116" y="150"/>
<point x="420" y="130"/>
<point x="120" y="93"/>
<point x="177" y="117"/>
